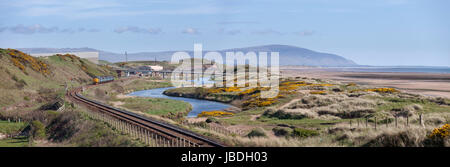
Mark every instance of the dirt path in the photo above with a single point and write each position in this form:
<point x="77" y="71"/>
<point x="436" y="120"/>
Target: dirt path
<point x="289" y="103"/>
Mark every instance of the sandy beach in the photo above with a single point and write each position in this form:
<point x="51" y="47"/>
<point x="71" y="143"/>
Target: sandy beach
<point x="428" y="84"/>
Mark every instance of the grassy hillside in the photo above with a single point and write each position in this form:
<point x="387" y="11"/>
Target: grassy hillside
<point x="28" y="80"/>
<point x="30" y="84"/>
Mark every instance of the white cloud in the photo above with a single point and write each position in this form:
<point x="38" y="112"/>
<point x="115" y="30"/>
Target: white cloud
<point x="38" y="28"/>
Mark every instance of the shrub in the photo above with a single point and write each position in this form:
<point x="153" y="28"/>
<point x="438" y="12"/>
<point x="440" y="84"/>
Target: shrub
<point x="282" y="131"/>
<point x="20" y="60"/>
<point x="442" y="132"/>
<point x="300" y="132"/>
<point x="211" y="119"/>
<point x="258" y="132"/>
<point x="214" y="114"/>
<point x="37" y="130"/>
<point x="281" y="114"/>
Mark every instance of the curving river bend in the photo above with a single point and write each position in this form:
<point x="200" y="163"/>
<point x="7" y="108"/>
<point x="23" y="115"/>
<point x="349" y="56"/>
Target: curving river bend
<point x="198" y="105"/>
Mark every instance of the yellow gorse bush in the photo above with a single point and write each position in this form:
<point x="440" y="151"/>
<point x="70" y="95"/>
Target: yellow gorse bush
<point x="252" y="95"/>
<point x="289" y="86"/>
<point x="20" y="60"/>
<point x="221" y="90"/>
<point x="441" y="132"/>
<point x="259" y="102"/>
<point x="214" y="114"/>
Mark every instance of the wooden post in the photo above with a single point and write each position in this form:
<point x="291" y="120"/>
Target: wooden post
<point x="350" y="123"/>
<point x="407" y="121"/>
<point x="151" y="140"/>
<point x="375" y="123"/>
<point x="358" y="122"/>
<point x="147" y="141"/>
<point x="396" y="122"/>
<point x="421" y="121"/>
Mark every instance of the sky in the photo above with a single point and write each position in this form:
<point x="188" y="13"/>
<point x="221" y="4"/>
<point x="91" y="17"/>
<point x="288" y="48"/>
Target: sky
<point x="375" y="32"/>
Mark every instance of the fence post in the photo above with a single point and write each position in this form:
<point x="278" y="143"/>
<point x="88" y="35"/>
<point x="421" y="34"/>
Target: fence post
<point x="147" y="137"/>
<point x="375" y="123"/>
<point x="396" y="122"/>
<point x="421" y="121"/>
<point x="350" y="123"/>
<point x="152" y="140"/>
<point x="407" y="120"/>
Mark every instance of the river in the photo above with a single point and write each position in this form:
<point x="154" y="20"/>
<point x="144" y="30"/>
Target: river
<point x="198" y="105"/>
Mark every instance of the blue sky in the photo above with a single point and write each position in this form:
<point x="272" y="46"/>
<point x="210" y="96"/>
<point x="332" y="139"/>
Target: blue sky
<point x="376" y="32"/>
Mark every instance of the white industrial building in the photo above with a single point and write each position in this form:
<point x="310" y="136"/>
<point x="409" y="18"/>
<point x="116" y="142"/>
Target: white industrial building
<point x="91" y="56"/>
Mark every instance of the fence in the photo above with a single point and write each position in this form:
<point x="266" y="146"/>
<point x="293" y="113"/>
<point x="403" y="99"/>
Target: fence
<point x="147" y="136"/>
<point x="376" y="122"/>
<point x="12" y="119"/>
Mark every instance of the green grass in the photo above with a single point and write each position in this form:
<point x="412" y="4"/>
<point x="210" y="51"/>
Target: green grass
<point x="14" y="142"/>
<point x="142" y="84"/>
<point x="11" y="127"/>
<point x="156" y="106"/>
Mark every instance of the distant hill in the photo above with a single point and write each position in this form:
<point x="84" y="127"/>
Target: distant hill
<point x="289" y="55"/>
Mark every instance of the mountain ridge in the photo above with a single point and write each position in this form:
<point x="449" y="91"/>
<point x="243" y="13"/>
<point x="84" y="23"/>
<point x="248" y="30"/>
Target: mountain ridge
<point x="289" y="55"/>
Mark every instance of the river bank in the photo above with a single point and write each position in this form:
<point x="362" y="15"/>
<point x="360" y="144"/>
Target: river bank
<point x="198" y="105"/>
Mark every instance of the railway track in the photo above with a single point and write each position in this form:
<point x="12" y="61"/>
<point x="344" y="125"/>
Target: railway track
<point x="167" y="131"/>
